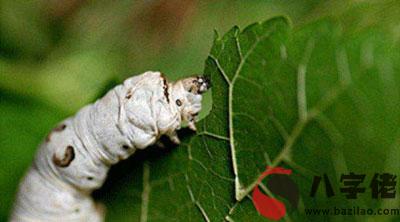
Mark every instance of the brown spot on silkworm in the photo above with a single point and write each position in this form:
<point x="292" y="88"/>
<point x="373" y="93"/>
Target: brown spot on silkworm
<point x="89" y="178"/>
<point x="59" y="128"/>
<point x="178" y="102"/>
<point x="128" y="95"/>
<point x="69" y="156"/>
<point x="125" y="147"/>
<point x="165" y="87"/>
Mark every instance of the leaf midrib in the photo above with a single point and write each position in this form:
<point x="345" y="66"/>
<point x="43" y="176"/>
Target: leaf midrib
<point x="240" y="192"/>
<point x="304" y="117"/>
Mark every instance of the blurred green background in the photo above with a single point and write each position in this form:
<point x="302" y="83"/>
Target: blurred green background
<point x="57" y="55"/>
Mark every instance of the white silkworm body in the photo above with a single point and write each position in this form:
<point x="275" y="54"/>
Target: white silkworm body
<point x="75" y="157"/>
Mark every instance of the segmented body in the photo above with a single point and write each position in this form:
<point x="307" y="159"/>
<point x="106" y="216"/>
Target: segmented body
<point x="75" y="157"/>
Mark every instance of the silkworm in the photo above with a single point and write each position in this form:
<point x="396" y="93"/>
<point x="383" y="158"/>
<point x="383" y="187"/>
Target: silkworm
<point x="75" y="157"/>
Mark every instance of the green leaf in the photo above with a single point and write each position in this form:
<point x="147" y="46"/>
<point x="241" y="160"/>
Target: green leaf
<point x="317" y="100"/>
<point x="334" y="100"/>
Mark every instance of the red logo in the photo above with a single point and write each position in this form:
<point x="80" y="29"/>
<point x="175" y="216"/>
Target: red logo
<point x="269" y="207"/>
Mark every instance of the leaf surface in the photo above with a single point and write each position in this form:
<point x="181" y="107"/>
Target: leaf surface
<point x="318" y="100"/>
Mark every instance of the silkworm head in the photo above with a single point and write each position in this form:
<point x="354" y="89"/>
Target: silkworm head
<point x="187" y="95"/>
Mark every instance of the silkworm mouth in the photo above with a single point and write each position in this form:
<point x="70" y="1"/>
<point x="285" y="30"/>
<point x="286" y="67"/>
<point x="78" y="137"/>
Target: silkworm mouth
<point x="197" y="85"/>
<point x="203" y="84"/>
